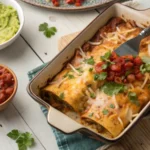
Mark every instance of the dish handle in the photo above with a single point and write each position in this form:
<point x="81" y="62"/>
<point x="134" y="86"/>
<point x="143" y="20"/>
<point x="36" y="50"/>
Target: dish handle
<point x="62" y="122"/>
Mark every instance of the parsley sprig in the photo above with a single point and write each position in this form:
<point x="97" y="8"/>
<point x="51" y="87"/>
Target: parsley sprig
<point x="24" y="140"/>
<point x="90" y="61"/>
<point x="48" y="31"/>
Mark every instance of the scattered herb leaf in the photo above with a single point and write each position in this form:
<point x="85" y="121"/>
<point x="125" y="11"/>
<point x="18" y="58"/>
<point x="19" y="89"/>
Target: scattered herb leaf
<point x="91" y="69"/>
<point x="101" y="76"/>
<point x="90" y="61"/>
<point x="112" y="88"/>
<point x="105" y="111"/>
<point x="104" y="66"/>
<point x="92" y="95"/>
<point x="61" y="95"/>
<point x="112" y="106"/>
<point x="24" y="140"/>
<point x="145" y="68"/>
<point x="48" y="31"/>
<point x="128" y="72"/>
<point x="70" y="76"/>
<point x="91" y="114"/>
<point x="146" y="59"/>
<point x="14" y="134"/>
<point x="79" y="70"/>
<point x="106" y="56"/>
<point x="133" y="98"/>
<point x="43" y="26"/>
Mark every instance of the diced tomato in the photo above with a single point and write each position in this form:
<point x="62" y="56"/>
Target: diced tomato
<point x="115" y="67"/>
<point x="128" y="65"/>
<point x="131" y="78"/>
<point x="138" y="61"/>
<point x="139" y="76"/>
<point x="113" y="56"/>
<point x="98" y="67"/>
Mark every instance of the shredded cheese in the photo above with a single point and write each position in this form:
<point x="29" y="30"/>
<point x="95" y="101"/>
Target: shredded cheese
<point x="61" y="82"/>
<point x="128" y="31"/>
<point x="74" y="69"/>
<point x="115" y="102"/>
<point x="129" y="114"/>
<point x="117" y="28"/>
<point x="82" y="53"/>
<point x="145" y="80"/>
<point x="119" y="119"/>
<point x="122" y="36"/>
<point x="95" y="43"/>
<point x="91" y="91"/>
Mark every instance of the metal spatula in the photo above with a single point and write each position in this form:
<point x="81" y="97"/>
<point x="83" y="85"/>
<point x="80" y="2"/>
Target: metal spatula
<point x="131" y="47"/>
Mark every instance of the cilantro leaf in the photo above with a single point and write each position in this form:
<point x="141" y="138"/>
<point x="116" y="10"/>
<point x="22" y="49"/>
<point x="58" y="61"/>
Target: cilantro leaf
<point x="101" y="76"/>
<point x="104" y="66"/>
<point x="146" y="59"/>
<point x="61" y="95"/>
<point x="24" y="140"/>
<point x="105" y="111"/>
<point x="43" y="26"/>
<point x="70" y="76"/>
<point x="91" y="69"/>
<point x="112" y="106"/>
<point x="112" y="88"/>
<point x="106" y="56"/>
<point x="79" y="70"/>
<point x="90" y="61"/>
<point x="14" y="134"/>
<point x="48" y="31"/>
<point x="133" y="98"/>
<point x="92" y="95"/>
<point x="91" y="114"/>
<point x="145" y="68"/>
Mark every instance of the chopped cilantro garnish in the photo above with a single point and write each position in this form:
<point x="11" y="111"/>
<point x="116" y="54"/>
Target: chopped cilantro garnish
<point x="92" y="95"/>
<point x="105" y="111"/>
<point x="112" y="106"/>
<point x="133" y="98"/>
<point x="149" y="86"/>
<point x="62" y="95"/>
<point x="70" y="76"/>
<point x="91" y="114"/>
<point x="128" y="72"/>
<point x="104" y="66"/>
<point x="90" y="61"/>
<point x="101" y="76"/>
<point x="106" y="56"/>
<point x="112" y="88"/>
<point x="145" y="68"/>
<point x="146" y="59"/>
<point x="79" y="70"/>
<point x="91" y="69"/>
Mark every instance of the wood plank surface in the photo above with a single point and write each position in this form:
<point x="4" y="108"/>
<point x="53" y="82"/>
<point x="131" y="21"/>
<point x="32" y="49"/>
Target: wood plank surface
<point x="138" y="138"/>
<point x="65" y="23"/>
<point x="24" y="113"/>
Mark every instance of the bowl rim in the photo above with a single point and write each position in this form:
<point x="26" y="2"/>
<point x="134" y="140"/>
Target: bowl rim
<point x="21" y="23"/>
<point x="15" y="86"/>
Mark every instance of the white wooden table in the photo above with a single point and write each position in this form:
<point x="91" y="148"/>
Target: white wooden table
<point x="31" y="49"/>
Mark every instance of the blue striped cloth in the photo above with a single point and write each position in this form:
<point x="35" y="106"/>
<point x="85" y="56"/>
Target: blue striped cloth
<point x="74" y="141"/>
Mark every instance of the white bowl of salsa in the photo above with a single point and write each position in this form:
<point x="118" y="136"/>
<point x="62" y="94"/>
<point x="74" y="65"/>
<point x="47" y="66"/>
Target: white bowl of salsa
<point x="10" y="24"/>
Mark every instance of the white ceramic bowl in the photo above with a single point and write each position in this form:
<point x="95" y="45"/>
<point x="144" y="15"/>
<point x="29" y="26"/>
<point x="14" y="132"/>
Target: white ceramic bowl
<point x="16" y="6"/>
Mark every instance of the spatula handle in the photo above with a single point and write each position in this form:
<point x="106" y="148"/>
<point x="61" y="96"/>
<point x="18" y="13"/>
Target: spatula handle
<point x="145" y="32"/>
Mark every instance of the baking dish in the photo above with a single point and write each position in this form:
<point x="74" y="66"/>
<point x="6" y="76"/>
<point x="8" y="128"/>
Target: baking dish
<point x="55" y="117"/>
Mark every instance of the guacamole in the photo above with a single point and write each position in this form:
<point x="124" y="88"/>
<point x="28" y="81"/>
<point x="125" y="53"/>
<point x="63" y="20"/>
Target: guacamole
<point x="9" y="22"/>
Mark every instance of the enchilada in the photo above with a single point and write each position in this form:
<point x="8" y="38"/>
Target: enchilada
<point x="102" y="88"/>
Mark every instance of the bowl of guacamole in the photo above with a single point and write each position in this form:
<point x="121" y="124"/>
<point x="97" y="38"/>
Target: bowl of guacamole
<point x="11" y="22"/>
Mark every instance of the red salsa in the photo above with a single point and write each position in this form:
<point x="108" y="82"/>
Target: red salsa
<point x="6" y="84"/>
<point x="120" y="69"/>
